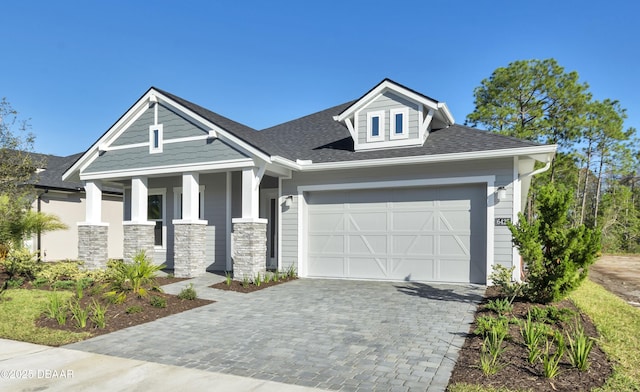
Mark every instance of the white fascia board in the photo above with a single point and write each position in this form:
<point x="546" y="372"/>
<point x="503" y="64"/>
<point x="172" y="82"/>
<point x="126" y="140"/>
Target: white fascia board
<point x="171" y="169"/>
<point x="380" y="89"/>
<point x="463" y="156"/>
<point x="277" y="159"/>
<point x="444" y="109"/>
<point x="131" y="115"/>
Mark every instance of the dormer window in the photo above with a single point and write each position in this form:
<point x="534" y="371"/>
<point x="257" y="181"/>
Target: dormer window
<point x="155" y="138"/>
<point x="375" y="126"/>
<point x="399" y="123"/>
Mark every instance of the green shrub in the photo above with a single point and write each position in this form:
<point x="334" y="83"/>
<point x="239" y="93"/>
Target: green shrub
<point x="21" y="263"/>
<point x="532" y="334"/>
<point x="291" y="272"/>
<point x="63" y="285"/>
<point x="134" y="309"/>
<point x="502" y="277"/>
<point x="57" y="308"/>
<point x="79" y="314"/>
<point x="39" y="282"/>
<point x="551" y="360"/>
<point x="579" y="346"/>
<point x="15" y="283"/>
<point x="227" y="278"/>
<point x="62" y="270"/>
<point x="188" y="293"/>
<point x="115" y="297"/>
<point x="257" y="280"/>
<point x="158" y="302"/>
<point x="137" y="277"/>
<point x="501" y="306"/>
<point x="490" y="324"/>
<point x="556" y="254"/>
<point x="98" y="314"/>
<point x="490" y="353"/>
<point x="245" y="281"/>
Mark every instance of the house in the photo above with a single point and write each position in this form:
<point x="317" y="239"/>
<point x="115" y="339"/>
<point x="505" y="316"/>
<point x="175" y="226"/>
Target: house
<point x="385" y="187"/>
<point x="66" y="200"/>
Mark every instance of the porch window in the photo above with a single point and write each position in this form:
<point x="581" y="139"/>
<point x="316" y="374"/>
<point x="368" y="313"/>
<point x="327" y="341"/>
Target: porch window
<point x="177" y="203"/>
<point x="155" y="213"/>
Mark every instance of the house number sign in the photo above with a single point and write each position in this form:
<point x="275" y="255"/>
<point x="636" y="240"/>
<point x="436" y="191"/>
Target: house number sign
<point x="502" y="221"/>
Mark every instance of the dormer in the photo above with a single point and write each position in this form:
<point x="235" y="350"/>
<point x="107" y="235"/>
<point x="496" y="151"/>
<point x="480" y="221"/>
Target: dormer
<point x="391" y="115"/>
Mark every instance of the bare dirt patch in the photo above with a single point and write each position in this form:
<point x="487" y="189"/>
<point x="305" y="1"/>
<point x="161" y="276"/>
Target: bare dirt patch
<point x="620" y="275"/>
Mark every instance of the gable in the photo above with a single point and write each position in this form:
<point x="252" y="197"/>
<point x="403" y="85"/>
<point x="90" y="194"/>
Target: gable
<point x="174" y="125"/>
<point x="389" y="105"/>
<point x="391" y="115"/>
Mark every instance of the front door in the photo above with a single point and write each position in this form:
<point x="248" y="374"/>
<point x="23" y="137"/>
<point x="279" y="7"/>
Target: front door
<point x="269" y="211"/>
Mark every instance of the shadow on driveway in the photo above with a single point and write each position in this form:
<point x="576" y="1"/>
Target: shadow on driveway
<point x="450" y="293"/>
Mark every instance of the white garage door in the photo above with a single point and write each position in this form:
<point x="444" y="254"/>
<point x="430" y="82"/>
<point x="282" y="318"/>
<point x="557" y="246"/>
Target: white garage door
<point x="427" y="233"/>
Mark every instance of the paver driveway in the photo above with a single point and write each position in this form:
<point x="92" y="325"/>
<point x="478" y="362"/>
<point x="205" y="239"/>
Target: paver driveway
<point x="333" y="334"/>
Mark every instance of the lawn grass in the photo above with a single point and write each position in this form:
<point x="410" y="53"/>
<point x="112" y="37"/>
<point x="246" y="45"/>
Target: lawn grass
<point x="619" y="326"/>
<point x="19" y="309"/>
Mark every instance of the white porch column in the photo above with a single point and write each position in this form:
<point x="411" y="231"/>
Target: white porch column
<point x="190" y="197"/>
<point x="249" y="240"/>
<point x="93" y="233"/>
<point x="139" y="199"/>
<point x="138" y="232"/>
<point x="250" y="193"/>
<point x="93" y="191"/>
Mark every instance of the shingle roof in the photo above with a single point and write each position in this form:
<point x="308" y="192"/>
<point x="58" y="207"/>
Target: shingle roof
<point x="248" y="134"/>
<point x="54" y="166"/>
<point x="320" y="138"/>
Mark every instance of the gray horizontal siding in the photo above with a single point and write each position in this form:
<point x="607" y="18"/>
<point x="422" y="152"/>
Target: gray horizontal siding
<point x="138" y="132"/>
<point x="289" y="241"/>
<point x="215" y="213"/>
<point x="386" y="102"/>
<point x="176" y="126"/>
<point x="195" y="151"/>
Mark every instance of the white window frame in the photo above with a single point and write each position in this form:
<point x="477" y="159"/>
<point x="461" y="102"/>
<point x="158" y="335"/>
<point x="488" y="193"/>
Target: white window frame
<point x="163" y="193"/>
<point x="381" y="127"/>
<point x="152" y="148"/>
<point x="177" y="199"/>
<point x="405" y="123"/>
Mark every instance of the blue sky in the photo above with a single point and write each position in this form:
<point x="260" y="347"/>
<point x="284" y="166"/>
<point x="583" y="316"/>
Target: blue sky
<point x="74" y="67"/>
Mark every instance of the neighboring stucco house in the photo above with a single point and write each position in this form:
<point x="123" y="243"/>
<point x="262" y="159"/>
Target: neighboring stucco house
<point x="66" y="200"/>
<point x="384" y="187"/>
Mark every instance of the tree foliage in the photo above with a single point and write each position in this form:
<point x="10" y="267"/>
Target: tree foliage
<point x="556" y="254"/>
<point x="538" y="100"/>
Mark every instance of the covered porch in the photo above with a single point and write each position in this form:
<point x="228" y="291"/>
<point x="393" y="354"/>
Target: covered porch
<point x="192" y="221"/>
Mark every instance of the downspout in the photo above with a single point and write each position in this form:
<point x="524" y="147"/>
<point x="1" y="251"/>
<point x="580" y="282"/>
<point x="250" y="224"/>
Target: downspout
<point x="538" y="171"/>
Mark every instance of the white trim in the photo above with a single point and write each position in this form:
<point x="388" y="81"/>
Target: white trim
<point x="405" y="123"/>
<point x="462" y="156"/>
<point x="383" y="145"/>
<point x="153" y="131"/>
<point x="424" y="127"/>
<point x="381" y="89"/>
<point x="302" y="234"/>
<point x="279" y="228"/>
<point x="303" y="210"/>
<point x="126" y="146"/>
<point x="490" y="200"/>
<point x="249" y="220"/>
<point x="351" y="129"/>
<point x="186" y="139"/>
<point x="189" y="222"/>
<point x="266" y="195"/>
<point x="177" y="192"/>
<point x="102" y="224"/>
<point x="229" y="230"/>
<point x="381" y="126"/>
<point x="171" y="169"/>
<point x="516" y="207"/>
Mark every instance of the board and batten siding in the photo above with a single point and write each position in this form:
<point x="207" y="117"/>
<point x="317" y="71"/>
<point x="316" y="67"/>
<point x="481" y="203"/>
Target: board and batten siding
<point x="386" y="102"/>
<point x="189" y="152"/>
<point x="502" y="169"/>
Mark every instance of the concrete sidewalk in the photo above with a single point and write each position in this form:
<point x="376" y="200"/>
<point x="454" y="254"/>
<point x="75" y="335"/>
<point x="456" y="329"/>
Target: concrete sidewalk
<point x="31" y="367"/>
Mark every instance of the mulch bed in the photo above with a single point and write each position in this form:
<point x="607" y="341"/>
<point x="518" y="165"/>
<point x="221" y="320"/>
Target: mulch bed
<point x="518" y="373"/>
<point x="237" y="286"/>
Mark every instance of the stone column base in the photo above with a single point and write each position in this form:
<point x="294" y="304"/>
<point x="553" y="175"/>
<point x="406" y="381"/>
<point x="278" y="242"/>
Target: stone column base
<point x="138" y="236"/>
<point x="249" y="248"/>
<point x="189" y="249"/>
<point x="93" y="245"/>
